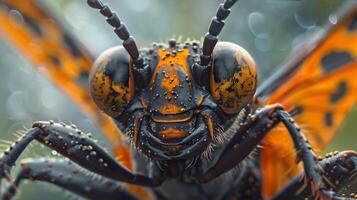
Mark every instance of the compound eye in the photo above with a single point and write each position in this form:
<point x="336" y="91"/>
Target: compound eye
<point x="233" y="78"/>
<point x="112" y="82"/>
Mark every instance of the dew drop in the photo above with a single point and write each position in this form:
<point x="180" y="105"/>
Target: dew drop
<point x="257" y="24"/>
<point x="16" y="17"/>
<point x="333" y="19"/>
<point x="305" y="16"/>
<point x="54" y="153"/>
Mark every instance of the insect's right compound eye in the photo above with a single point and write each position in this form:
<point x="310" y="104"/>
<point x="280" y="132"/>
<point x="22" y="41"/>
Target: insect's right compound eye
<point x="112" y="82"/>
<point x="233" y="77"/>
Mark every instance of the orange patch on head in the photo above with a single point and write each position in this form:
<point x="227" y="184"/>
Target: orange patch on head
<point x="137" y="121"/>
<point x="170" y="109"/>
<point x="171" y="133"/>
<point x="210" y="127"/>
<point x="170" y="63"/>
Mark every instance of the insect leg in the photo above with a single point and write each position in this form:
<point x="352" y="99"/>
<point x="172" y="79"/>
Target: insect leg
<point x="245" y="140"/>
<point x="67" y="175"/>
<point x="9" y="157"/>
<point x="340" y="172"/>
<point x="78" y="147"/>
<point x="304" y="153"/>
<point x="252" y="133"/>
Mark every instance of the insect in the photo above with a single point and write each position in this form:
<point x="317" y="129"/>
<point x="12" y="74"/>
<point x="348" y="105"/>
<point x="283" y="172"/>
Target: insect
<point x="194" y="115"/>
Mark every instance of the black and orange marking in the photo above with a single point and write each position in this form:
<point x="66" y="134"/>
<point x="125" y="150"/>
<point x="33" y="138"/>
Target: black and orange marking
<point x="52" y="50"/>
<point x="317" y="85"/>
<point x="234" y="86"/>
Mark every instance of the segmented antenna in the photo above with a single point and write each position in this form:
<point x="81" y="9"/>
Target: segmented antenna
<point x="120" y="30"/>
<point x="215" y="28"/>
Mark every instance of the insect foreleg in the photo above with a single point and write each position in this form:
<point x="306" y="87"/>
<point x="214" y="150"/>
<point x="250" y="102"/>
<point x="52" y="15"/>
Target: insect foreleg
<point x="340" y="170"/>
<point x="78" y="147"/>
<point x="9" y="157"/>
<point x="245" y="140"/>
<point x="67" y="175"/>
<point x="305" y="153"/>
<point x="252" y="132"/>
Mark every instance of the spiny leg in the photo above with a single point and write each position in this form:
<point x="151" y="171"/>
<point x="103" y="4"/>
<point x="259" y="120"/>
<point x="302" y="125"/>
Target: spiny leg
<point x="67" y="175"/>
<point x="340" y="170"/>
<point x="252" y="133"/>
<point x="305" y="153"/>
<point x="78" y="147"/>
<point x="245" y="140"/>
<point x="9" y="157"/>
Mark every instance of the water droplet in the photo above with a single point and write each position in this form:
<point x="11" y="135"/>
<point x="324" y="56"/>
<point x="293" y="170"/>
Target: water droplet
<point x="333" y="19"/>
<point x="16" y="17"/>
<point x="15" y="105"/>
<point x="257" y="24"/>
<point x="54" y="153"/>
<point x="305" y="16"/>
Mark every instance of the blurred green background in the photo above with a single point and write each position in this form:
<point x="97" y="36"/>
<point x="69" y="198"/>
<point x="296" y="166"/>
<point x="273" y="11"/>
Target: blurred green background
<point x="269" y="29"/>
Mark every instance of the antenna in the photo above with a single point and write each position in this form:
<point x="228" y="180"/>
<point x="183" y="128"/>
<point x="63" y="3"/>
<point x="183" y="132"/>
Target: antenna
<point x="120" y="30"/>
<point x="215" y="28"/>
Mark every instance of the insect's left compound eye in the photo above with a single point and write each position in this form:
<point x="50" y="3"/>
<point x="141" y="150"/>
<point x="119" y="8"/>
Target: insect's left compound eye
<point x="112" y="82"/>
<point x="233" y="77"/>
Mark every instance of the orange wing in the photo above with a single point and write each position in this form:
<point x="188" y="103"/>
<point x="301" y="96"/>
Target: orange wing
<point x="55" y="52"/>
<point x="318" y="84"/>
